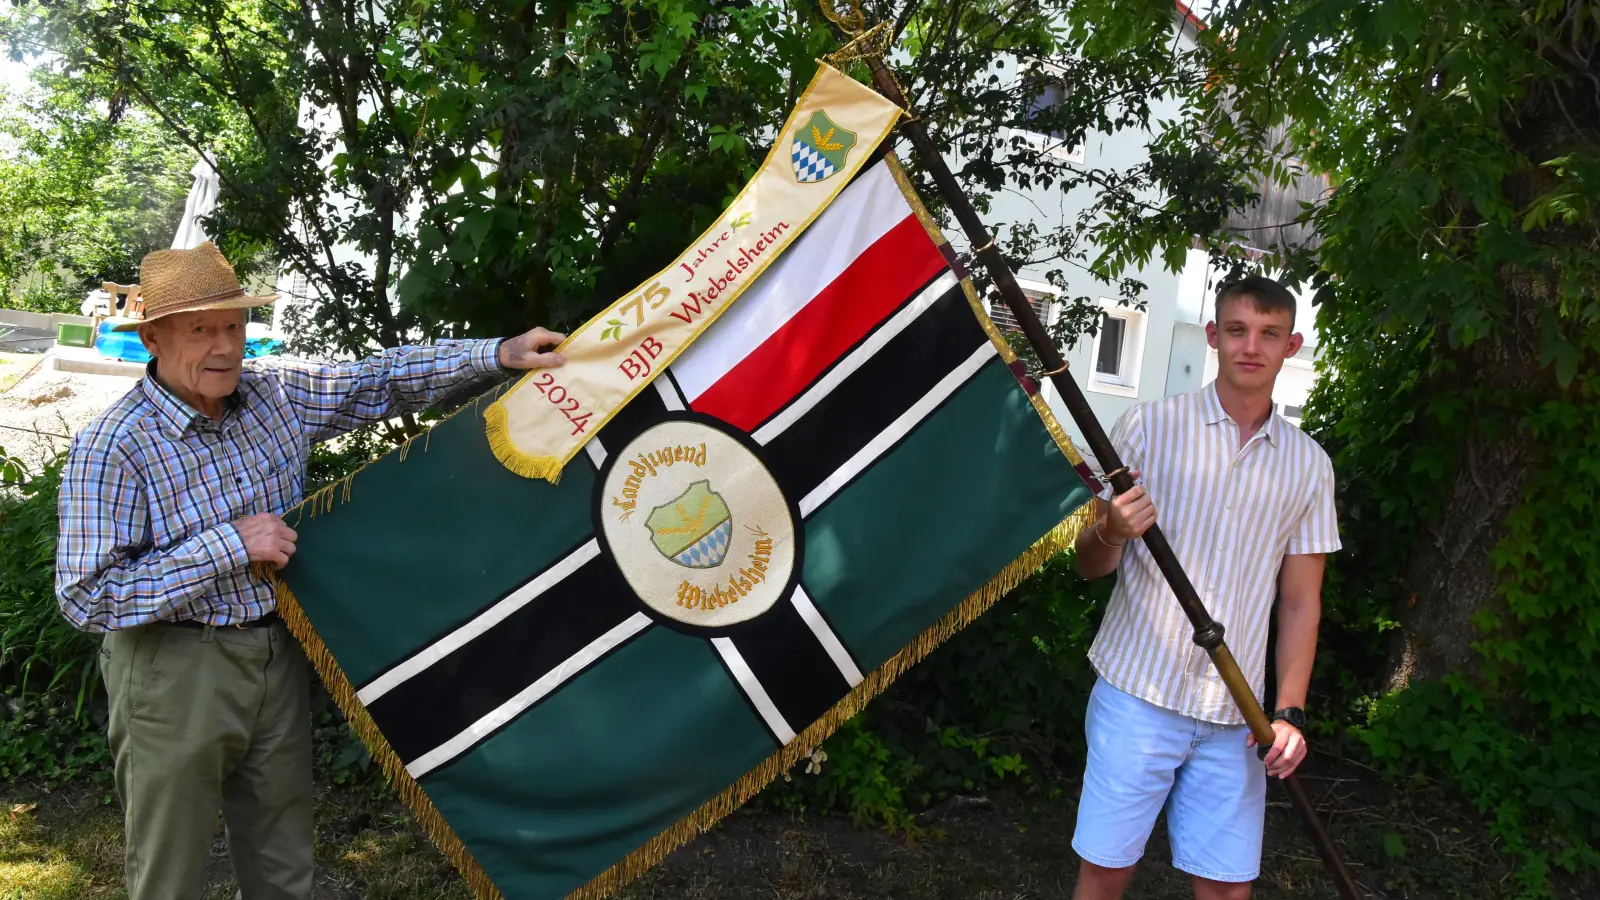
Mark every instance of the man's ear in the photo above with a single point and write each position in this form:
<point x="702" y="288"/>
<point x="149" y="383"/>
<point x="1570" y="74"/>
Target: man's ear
<point x="1296" y="341"/>
<point x="1211" y="334"/>
<point x="150" y="337"/>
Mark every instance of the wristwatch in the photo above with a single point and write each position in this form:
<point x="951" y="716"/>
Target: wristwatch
<point x="1294" y="715"/>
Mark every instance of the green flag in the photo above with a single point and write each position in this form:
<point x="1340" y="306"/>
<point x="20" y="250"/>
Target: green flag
<point x="566" y="681"/>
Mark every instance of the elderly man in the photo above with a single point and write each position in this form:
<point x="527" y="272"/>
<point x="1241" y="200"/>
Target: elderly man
<point x="166" y="501"/>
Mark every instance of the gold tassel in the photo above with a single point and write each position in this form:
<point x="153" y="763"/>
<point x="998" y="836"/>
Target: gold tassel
<point x="751" y="783"/>
<point x="511" y="456"/>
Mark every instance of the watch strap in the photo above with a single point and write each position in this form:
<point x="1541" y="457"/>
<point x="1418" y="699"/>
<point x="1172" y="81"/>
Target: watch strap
<point x="1294" y="715"/>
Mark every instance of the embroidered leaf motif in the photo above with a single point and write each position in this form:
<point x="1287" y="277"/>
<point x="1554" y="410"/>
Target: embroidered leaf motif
<point x="612" y="333"/>
<point x="691" y="524"/>
<point x="825" y="141"/>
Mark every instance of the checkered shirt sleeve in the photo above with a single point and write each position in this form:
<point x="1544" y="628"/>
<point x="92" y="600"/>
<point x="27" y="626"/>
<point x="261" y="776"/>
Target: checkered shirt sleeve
<point x="127" y="480"/>
<point x="331" y="399"/>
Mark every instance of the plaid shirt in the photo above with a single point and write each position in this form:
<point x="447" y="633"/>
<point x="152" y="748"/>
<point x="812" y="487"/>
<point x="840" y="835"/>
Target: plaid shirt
<point x="151" y="486"/>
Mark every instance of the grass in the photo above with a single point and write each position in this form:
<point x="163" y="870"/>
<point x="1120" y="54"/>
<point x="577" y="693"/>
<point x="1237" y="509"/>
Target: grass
<point x="67" y="845"/>
<point x="1402" y="843"/>
<point x="65" y="853"/>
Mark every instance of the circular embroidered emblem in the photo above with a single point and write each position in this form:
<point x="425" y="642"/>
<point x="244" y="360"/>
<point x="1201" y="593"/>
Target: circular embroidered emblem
<point x="697" y="525"/>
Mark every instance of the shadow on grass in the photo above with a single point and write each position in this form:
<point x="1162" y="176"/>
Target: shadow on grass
<point x="1410" y="844"/>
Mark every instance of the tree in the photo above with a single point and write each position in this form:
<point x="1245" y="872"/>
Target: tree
<point x="1458" y="278"/>
<point x="85" y="197"/>
<point x="1457" y="266"/>
<point x="474" y="168"/>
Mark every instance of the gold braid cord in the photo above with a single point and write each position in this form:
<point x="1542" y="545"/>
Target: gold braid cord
<point x="850" y="20"/>
<point x="874" y="42"/>
<point x="871" y="43"/>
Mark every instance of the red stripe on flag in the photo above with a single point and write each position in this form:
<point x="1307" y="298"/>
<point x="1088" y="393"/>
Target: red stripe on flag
<point x="836" y="319"/>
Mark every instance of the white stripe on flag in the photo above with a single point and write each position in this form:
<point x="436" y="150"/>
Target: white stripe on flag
<point x="825" y="636"/>
<point x="862" y="213"/>
<point x="530" y="695"/>
<point x="868" y="348"/>
<point x="753" y="689"/>
<point x="491" y="617"/>
<point x="596" y="451"/>
<point x="669" y="394"/>
<point x="902" y="426"/>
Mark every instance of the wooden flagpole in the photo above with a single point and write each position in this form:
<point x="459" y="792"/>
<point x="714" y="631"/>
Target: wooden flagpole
<point x="1208" y="633"/>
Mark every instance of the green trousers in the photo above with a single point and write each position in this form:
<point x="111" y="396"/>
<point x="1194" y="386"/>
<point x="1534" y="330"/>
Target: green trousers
<point x="204" y="720"/>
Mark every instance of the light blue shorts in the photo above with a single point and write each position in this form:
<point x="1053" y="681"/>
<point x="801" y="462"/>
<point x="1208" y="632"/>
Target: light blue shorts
<point x="1143" y="757"/>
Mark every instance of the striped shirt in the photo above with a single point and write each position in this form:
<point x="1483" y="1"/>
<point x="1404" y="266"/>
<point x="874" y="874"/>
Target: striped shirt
<point x="1231" y="515"/>
<point x="151" y="486"/>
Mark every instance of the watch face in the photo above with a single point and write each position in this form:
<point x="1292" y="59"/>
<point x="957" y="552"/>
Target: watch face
<point x="1293" y="716"/>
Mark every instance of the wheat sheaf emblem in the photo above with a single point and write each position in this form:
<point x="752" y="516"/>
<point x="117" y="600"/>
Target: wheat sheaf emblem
<point x="825" y="142"/>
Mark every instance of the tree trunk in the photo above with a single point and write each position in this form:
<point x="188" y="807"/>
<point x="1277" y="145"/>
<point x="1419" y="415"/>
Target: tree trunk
<point x="1451" y="572"/>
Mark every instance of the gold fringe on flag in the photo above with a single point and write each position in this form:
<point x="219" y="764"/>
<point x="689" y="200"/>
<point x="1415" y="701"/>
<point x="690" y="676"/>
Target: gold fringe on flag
<point x="638" y="862"/>
<point x="361" y="723"/>
<point x="433" y="825"/>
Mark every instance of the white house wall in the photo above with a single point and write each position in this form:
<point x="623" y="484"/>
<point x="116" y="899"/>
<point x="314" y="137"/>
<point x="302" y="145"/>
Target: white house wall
<point x="1054" y="208"/>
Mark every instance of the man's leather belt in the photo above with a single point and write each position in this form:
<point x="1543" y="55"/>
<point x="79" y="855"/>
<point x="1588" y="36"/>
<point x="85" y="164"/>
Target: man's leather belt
<point x="267" y="619"/>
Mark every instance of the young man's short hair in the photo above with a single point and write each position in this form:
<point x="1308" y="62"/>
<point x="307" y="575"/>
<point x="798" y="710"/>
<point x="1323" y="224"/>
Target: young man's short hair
<point x="1269" y="296"/>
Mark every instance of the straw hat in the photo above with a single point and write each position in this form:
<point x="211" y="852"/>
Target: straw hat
<point x="176" y="281"/>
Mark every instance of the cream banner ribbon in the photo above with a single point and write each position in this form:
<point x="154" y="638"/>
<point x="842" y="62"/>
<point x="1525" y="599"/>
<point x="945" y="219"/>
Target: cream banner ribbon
<point x="544" y="420"/>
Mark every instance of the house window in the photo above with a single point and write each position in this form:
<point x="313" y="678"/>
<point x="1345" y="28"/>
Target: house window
<point x="1047" y="98"/>
<point x="1118" y="351"/>
<point x="1046" y="95"/>
<point x="1000" y="313"/>
<point x="1108" y="356"/>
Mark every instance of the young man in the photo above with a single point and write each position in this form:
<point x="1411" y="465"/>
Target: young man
<point x="1247" y="503"/>
<point x="166" y="500"/>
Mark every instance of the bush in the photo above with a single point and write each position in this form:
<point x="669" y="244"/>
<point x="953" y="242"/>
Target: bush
<point x="51" y="704"/>
<point x="1539" y="793"/>
<point x="45" y="739"/>
<point x="50" y="295"/>
<point x="40" y="653"/>
<point x="1516" y="731"/>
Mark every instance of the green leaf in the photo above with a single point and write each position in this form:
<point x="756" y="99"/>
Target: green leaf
<point x="1566" y="360"/>
<point x="475" y="227"/>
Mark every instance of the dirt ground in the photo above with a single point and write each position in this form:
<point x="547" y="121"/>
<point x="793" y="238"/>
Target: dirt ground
<point x="1406" y="844"/>
<point x="40" y="409"/>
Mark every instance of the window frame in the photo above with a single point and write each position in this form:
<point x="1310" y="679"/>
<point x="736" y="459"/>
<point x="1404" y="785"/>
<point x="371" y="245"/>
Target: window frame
<point x="1131" y="362"/>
